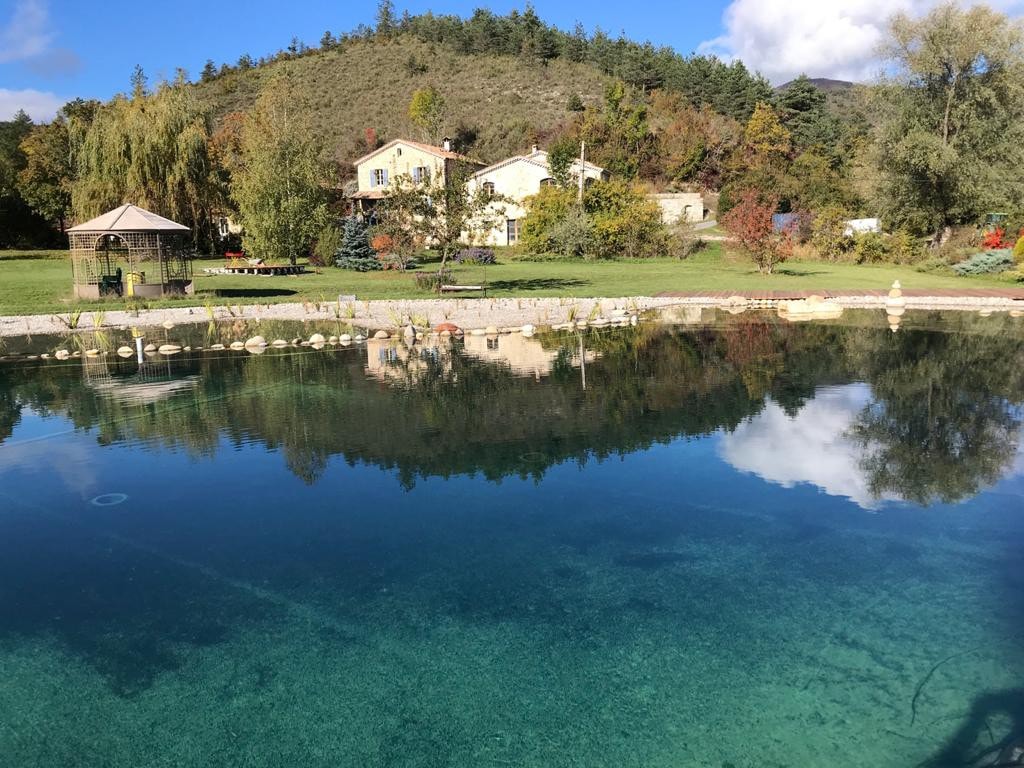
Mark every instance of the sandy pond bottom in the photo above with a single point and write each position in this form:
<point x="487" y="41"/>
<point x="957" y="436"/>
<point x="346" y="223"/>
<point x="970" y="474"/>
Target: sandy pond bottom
<point x="244" y="605"/>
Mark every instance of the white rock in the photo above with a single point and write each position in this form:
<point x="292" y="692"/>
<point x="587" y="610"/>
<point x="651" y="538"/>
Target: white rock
<point x="381" y="335"/>
<point x="256" y="341"/>
<point x="344" y="338"/>
<point x="237" y="345"/>
<point x="169" y="349"/>
<point x="317" y="338"/>
<point x="280" y="343"/>
<point x="168" y="324"/>
<point x="62" y="354"/>
<point x="217" y="347"/>
<point x="125" y="351"/>
<point x="528" y="330"/>
<point x="149" y="348"/>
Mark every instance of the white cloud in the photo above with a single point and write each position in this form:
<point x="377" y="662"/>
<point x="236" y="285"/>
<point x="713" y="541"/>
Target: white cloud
<point x="822" y="38"/>
<point x="27" y="33"/>
<point x="811" y="447"/>
<point x="814" y="446"/>
<point x="41" y="106"/>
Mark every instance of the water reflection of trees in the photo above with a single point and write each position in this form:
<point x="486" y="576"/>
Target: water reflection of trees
<point x="946" y="418"/>
<point x="944" y="422"/>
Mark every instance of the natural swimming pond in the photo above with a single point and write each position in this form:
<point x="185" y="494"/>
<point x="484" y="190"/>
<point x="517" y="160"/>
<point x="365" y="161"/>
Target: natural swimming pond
<point x="737" y="542"/>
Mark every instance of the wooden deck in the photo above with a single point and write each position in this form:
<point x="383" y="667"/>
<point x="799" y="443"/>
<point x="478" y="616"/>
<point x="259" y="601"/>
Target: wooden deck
<point x="260" y="269"/>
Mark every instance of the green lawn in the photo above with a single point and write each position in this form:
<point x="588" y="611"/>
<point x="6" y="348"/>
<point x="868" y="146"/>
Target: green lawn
<point x="39" y="282"/>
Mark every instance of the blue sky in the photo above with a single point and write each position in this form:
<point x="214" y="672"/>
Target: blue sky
<point x="54" y="50"/>
<point x="92" y="47"/>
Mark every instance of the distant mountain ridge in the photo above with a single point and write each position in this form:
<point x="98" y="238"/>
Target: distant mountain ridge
<point x="823" y="83"/>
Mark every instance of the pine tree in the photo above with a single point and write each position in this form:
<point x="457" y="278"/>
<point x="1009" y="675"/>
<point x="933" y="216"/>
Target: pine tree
<point x="209" y="71"/>
<point x="385" y="18"/>
<point x="355" y="251"/>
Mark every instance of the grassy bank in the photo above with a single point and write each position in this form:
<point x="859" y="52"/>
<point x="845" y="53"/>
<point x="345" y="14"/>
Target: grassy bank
<point x="39" y="282"/>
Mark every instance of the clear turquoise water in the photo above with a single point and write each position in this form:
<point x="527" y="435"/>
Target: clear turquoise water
<point x="734" y="543"/>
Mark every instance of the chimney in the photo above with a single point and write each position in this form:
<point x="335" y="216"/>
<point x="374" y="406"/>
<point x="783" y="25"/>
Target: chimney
<point x="534" y="149"/>
<point x="446" y="144"/>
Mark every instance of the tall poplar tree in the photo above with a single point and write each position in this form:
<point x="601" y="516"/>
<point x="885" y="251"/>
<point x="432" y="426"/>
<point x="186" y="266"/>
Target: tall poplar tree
<point x="279" y="184"/>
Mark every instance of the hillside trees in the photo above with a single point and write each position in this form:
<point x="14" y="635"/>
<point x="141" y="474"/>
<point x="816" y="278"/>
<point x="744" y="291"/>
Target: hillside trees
<point x="617" y="133"/>
<point x="428" y="111"/>
<point x="951" y="139"/>
<point x="19" y="225"/>
<point x="694" y="144"/>
<point x="45" y="181"/>
<point x="279" y="183"/>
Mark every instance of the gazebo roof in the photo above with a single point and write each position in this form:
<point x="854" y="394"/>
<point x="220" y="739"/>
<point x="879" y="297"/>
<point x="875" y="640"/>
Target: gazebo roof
<point x="129" y="218"/>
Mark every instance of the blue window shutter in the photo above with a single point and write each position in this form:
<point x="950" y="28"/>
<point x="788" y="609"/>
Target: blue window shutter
<point x="373" y="178"/>
<point x="385" y="177"/>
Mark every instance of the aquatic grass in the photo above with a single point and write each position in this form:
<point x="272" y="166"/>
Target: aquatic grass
<point x="72" y="320"/>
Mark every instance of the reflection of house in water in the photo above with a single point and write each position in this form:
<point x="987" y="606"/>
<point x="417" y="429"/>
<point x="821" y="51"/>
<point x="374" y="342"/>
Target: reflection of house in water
<point x="525" y="355"/>
<point x="395" y="361"/>
<point x="392" y="360"/>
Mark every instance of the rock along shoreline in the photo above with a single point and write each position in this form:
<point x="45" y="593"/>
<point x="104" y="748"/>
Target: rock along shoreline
<point x="465" y="313"/>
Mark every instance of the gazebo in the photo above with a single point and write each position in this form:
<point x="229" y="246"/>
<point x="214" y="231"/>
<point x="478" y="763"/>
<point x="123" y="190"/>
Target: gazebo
<point x="112" y="254"/>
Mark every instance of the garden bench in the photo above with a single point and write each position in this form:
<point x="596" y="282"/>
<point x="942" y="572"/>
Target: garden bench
<point x="459" y="288"/>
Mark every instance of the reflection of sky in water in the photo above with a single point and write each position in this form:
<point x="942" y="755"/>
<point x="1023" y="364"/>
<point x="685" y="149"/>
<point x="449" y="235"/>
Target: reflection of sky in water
<point x="34" y="451"/>
<point x="814" y="446"/>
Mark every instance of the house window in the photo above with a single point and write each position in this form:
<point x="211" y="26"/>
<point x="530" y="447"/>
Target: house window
<point x="512" y="228"/>
<point x="489" y="188"/>
<point x="492" y="344"/>
<point x="398" y="152"/>
<point x="223" y="228"/>
<point x="548" y="182"/>
<point x="379" y="177"/>
<point x="421" y="174"/>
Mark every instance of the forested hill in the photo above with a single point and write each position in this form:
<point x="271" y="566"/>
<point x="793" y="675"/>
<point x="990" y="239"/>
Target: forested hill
<point x="497" y="104"/>
<point x="507" y="80"/>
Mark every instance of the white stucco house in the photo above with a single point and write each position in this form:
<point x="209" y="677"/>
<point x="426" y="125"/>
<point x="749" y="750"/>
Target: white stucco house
<point x="377" y="171"/>
<point x="513" y="181"/>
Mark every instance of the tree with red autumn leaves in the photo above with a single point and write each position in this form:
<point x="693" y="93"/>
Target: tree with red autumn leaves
<point x="750" y="223"/>
<point x="997" y="239"/>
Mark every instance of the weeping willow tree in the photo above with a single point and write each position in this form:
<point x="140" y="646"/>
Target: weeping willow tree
<point x="279" y="184"/>
<point x="151" y="149"/>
